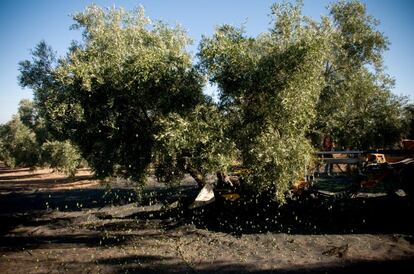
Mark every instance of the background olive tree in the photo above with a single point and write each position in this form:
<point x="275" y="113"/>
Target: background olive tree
<point x="18" y="145"/>
<point x="409" y="121"/>
<point x="356" y="105"/>
<point x="25" y="142"/>
<point x="62" y="156"/>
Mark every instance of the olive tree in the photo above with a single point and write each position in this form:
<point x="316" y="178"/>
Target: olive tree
<point x="111" y="88"/>
<point x="18" y="146"/>
<point x="269" y="86"/>
<point x="27" y="113"/>
<point x="129" y="94"/>
<point x="356" y="104"/>
<point x="25" y="141"/>
<point x="62" y="156"/>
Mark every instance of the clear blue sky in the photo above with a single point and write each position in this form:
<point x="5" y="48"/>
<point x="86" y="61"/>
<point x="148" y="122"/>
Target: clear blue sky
<point x="24" y="23"/>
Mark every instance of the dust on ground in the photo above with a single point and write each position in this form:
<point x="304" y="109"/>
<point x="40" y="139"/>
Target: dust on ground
<point x="53" y="224"/>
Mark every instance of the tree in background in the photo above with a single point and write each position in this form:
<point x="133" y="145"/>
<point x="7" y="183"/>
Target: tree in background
<point x="62" y="156"/>
<point x="18" y="145"/>
<point x="111" y="88"/>
<point x="409" y="121"/>
<point x="25" y="142"/>
<point x="27" y="113"/>
<point x="356" y="104"/>
<point x="19" y="140"/>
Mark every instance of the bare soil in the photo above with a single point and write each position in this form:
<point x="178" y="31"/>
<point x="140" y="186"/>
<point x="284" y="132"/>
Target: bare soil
<point x="53" y="224"/>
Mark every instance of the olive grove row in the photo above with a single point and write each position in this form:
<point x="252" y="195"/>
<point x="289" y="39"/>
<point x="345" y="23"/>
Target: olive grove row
<point x="129" y="96"/>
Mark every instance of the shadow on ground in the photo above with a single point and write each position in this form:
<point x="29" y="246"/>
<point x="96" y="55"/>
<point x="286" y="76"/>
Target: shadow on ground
<point x="387" y="215"/>
<point x="382" y="215"/>
<point x="163" y="265"/>
<point x="309" y="216"/>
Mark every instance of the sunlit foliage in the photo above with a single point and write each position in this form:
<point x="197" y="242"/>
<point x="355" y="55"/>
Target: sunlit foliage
<point x="106" y="94"/>
<point x="61" y="156"/>
<point x="197" y="144"/>
<point x="269" y="85"/>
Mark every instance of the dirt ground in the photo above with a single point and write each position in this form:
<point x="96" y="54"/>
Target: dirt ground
<point x="52" y="224"/>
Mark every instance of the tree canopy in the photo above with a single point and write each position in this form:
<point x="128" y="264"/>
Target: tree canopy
<point x="107" y="92"/>
<point x="18" y="146"/>
<point x="130" y="95"/>
<point x="269" y="85"/>
<point x="25" y="142"/>
<point x="356" y="104"/>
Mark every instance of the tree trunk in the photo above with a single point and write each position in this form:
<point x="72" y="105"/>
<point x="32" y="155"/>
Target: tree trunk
<point x="198" y="177"/>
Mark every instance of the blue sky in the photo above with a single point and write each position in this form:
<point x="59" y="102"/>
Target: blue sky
<point x="24" y="23"/>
